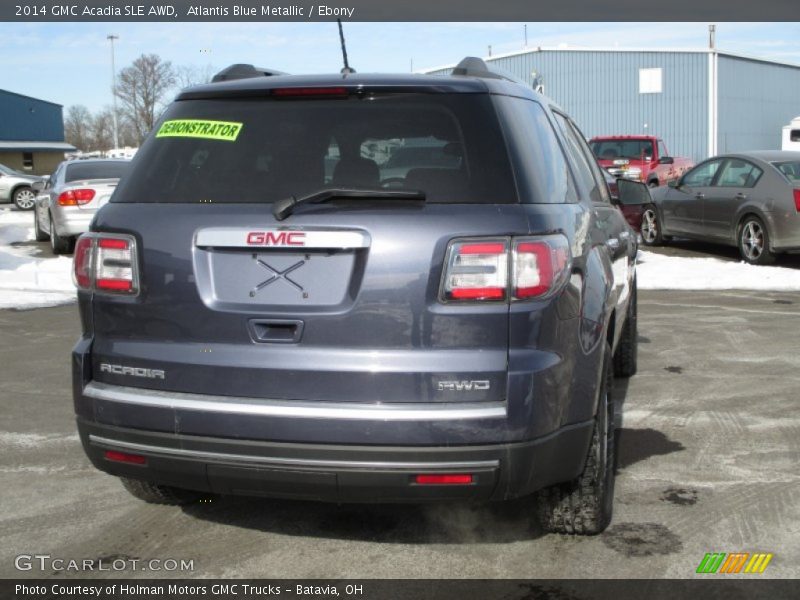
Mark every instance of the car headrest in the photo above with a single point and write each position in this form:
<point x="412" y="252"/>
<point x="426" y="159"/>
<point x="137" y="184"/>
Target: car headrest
<point x="356" y="172"/>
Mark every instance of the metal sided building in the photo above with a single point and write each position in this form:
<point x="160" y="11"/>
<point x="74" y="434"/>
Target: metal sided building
<point x="31" y="133"/>
<point x="701" y="102"/>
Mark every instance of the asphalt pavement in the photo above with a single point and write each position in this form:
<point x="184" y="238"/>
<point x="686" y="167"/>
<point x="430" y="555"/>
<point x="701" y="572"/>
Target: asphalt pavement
<point x="709" y="448"/>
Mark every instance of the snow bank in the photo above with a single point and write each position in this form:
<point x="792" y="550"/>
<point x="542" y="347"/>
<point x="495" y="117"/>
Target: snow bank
<point x="30" y="278"/>
<point x="659" y="272"/>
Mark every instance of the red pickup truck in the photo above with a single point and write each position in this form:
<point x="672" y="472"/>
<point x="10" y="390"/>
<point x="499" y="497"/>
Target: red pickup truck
<point x="639" y="157"/>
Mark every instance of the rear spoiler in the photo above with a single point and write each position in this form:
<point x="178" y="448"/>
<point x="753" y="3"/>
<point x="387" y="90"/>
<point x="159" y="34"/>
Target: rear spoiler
<point x="243" y="71"/>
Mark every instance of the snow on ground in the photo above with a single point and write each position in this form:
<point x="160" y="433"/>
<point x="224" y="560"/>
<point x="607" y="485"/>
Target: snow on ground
<point x="660" y="272"/>
<point x="30" y="276"/>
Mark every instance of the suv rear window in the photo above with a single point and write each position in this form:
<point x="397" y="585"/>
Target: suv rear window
<point x="448" y="145"/>
<point x="96" y="170"/>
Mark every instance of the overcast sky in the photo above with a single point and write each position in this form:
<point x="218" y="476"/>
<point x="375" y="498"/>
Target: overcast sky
<point x="69" y="63"/>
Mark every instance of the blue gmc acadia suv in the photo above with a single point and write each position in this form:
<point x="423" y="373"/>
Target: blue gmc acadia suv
<point x="271" y="307"/>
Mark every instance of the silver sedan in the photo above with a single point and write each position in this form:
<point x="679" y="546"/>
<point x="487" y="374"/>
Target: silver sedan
<point x="68" y="201"/>
<point x="16" y="187"/>
<point x="750" y="200"/>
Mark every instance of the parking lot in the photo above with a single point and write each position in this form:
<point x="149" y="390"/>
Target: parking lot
<point x="708" y="452"/>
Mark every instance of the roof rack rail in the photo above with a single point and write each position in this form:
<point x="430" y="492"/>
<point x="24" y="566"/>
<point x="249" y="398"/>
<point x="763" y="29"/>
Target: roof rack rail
<point x="472" y="66"/>
<point x="244" y="71"/>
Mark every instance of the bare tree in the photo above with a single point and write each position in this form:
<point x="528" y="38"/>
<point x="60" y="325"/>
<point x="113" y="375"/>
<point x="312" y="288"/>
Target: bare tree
<point x="188" y="75"/>
<point x="141" y="88"/>
<point x="127" y="133"/>
<point x="77" y="127"/>
<point x="102" y="130"/>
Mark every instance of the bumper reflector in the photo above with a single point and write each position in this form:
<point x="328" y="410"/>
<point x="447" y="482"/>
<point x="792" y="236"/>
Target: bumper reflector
<point x="443" y="479"/>
<point x="135" y="459"/>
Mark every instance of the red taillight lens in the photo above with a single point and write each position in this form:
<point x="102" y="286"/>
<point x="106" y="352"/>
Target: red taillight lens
<point x="476" y="271"/>
<point x="115" y="264"/>
<point x="338" y="92"/>
<point x="797" y="199"/>
<point x="113" y="243"/>
<point x="444" y="479"/>
<point x="135" y="459"/>
<point x="82" y="262"/>
<point x="76" y="197"/>
<point x="539" y="265"/>
<point x="107" y="263"/>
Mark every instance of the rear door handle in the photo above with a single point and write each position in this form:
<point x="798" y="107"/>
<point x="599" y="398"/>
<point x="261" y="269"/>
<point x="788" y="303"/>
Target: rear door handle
<point x="275" y="331"/>
<point x="741" y="196"/>
<point x="699" y="196"/>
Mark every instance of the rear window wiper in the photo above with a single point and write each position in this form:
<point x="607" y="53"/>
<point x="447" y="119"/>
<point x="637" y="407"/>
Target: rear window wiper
<point x="283" y="208"/>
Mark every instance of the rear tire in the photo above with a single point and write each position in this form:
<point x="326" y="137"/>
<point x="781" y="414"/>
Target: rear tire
<point x="651" y="227"/>
<point x="625" y="358"/>
<point x="40" y="235"/>
<point x="754" y="242"/>
<point x="585" y="506"/>
<point x="159" y="494"/>
<point x="58" y="244"/>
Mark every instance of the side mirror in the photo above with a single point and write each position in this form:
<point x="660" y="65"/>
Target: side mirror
<point x="633" y="193"/>
<point x="37" y="186"/>
<point x="674" y="183"/>
<point x="666" y="160"/>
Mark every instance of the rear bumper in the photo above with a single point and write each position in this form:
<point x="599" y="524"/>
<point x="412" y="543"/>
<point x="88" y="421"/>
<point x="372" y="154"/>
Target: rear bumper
<point x="338" y="473"/>
<point x="784" y="230"/>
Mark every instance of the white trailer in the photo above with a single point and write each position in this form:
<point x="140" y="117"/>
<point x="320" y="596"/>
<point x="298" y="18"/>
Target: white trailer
<point x="790" y="139"/>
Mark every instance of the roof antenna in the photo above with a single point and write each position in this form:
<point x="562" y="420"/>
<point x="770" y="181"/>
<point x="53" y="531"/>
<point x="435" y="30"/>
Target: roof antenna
<point x="346" y="69"/>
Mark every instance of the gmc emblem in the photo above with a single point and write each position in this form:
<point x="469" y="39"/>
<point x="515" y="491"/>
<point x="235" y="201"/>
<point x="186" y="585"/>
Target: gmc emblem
<point x="273" y="238"/>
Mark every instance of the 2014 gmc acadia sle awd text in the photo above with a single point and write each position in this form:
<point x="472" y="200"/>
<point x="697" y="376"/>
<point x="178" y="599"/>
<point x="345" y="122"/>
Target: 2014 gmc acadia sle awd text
<point x="330" y="324"/>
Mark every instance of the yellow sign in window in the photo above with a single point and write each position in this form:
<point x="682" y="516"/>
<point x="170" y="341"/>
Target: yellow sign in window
<point x="226" y="131"/>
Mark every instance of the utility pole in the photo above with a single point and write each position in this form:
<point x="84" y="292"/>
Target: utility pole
<point x="712" y="31"/>
<point x="526" y="35"/>
<point x="111" y="38"/>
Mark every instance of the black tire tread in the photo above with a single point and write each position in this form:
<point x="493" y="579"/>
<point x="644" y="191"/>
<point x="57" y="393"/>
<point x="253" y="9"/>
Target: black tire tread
<point x="153" y="493"/>
<point x="575" y="508"/>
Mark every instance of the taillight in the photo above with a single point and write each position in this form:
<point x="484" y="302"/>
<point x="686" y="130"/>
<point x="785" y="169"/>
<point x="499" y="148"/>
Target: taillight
<point x="797" y="199"/>
<point x="75" y="197"/>
<point x="106" y="263"/>
<point x="478" y="270"/>
<point x="82" y="262"/>
<point x="539" y="265"/>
